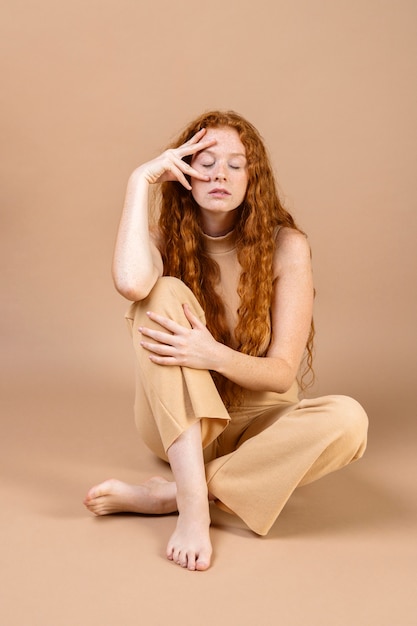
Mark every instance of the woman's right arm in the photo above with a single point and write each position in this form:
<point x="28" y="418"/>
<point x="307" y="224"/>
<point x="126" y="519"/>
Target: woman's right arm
<point x="137" y="263"/>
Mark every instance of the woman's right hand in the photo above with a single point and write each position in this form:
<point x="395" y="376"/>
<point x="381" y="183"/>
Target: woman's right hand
<point x="169" y="166"/>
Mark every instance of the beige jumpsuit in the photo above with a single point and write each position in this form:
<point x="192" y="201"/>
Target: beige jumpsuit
<point x="258" y="453"/>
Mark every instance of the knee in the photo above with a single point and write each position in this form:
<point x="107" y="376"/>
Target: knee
<point x="353" y="421"/>
<point x="167" y="297"/>
<point x="168" y="286"/>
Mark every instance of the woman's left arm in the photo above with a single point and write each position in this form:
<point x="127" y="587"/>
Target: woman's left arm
<point x="291" y="315"/>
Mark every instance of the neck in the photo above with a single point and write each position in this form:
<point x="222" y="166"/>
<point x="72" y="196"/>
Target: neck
<point x="220" y="224"/>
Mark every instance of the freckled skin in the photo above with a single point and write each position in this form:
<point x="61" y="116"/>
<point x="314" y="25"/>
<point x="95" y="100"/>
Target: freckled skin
<point x="225" y="165"/>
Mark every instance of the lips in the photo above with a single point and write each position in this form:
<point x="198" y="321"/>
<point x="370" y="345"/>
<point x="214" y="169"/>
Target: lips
<point x="219" y="191"/>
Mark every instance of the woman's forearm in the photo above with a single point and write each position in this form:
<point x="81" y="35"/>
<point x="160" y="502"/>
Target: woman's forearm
<point x="134" y="267"/>
<point x="255" y="373"/>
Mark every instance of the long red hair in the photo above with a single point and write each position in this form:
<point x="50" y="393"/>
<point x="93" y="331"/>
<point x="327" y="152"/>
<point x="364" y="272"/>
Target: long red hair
<point x="260" y="214"/>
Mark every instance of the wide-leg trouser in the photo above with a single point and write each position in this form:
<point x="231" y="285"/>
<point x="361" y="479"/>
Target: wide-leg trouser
<point x="256" y="454"/>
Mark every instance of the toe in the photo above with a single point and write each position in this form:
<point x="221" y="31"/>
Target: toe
<point x="94" y="493"/>
<point x="170" y="552"/>
<point x="182" y="559"/>
<point x="176" y="556"/>
<point x="191" y="561"/>
<point x="203" y="561"/>
<point x="201" y="566"/>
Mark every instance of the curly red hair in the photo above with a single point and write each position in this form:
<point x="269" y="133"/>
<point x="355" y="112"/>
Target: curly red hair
<point x="259" y="217"/>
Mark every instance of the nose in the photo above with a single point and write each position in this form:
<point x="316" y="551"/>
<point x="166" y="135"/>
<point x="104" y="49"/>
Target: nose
<point x="219" y="172"/>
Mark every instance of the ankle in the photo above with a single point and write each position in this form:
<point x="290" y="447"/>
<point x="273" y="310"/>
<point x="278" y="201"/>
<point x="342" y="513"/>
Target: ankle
<point x="194" y="504"/>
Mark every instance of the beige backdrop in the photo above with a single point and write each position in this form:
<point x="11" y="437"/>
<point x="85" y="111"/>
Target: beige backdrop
<point x="92" y="88"/>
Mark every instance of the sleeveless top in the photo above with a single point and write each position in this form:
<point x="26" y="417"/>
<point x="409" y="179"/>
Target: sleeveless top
<point x="223" y="251"/>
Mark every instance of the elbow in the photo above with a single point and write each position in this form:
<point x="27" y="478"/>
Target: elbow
<point x="284" y="384"/>
<point x="132" y="282"/>
<point x="286" y="376"/>
<point x="135" y="291"/>
<point x="133" y="295"/>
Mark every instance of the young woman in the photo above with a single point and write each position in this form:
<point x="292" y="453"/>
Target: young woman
<point x="221" y="322"/>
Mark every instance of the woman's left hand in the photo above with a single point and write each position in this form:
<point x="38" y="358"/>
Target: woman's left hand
<point x="193" y="347"/>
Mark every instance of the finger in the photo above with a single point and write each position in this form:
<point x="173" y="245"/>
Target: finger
<point x="197" y="136"/>
<point x="189" y="149"/>
<point x="159" y="349"/>
<point x="165" y="322"/>
<point x="177" y="172"/>
<point x="188" y="170"/>
<point x="157" y="335"/>
<point x="192" y="318"/>
<point x="167" y="339"/>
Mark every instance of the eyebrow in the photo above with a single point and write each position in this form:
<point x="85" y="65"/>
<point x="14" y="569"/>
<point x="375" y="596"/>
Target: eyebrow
<point x="232" y="154"/>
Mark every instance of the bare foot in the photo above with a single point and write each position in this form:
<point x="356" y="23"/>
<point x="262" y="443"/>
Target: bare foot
<point x="156" y="496"/>
<point x="190" y="544"/>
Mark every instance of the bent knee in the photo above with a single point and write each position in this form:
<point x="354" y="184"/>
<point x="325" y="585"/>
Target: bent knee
<point x="168" y="295"/>
<point x="353" y="420"/>
<point x="168" y="285"/>
<point x="172" y="286"/>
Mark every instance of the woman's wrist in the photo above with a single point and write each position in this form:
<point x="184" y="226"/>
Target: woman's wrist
<point x="139" y="175"/>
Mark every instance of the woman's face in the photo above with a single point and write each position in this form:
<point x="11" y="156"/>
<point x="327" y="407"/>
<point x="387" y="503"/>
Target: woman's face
<point x="226" y="166"/>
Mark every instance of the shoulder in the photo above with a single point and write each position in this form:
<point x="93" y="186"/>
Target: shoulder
<point x="292" y="249"/>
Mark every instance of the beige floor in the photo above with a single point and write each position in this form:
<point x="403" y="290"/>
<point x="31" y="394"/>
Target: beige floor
<point x="343" y="552"/>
